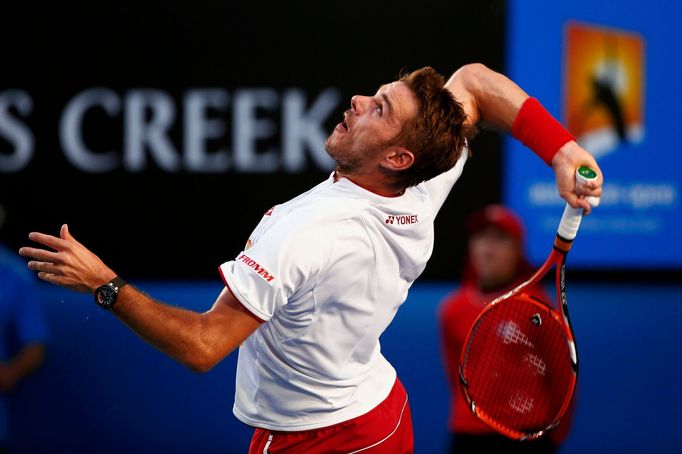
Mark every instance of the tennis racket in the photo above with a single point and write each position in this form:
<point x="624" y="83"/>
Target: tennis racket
<point x="519" y="366"/>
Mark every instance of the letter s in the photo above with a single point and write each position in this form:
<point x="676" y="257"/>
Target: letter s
<point x="14" y="131"/>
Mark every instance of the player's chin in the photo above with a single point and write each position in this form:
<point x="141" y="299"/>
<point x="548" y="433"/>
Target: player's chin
<point x="335" y="135"/>
<point x="333" y="145"/>
<point x="328" y="147"/>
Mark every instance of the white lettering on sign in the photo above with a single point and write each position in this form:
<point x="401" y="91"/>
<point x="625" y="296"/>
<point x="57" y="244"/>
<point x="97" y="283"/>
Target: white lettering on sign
<point x="301" y="128"/>
<point x="250" y="129"/>
<point x="632" y="195"/>
<point x="71" y="131"/>
<point x="14" y="131"/>
<point x="199" y="128"/>
<point x="254" y="130"/>
<point x="149" y="116"/>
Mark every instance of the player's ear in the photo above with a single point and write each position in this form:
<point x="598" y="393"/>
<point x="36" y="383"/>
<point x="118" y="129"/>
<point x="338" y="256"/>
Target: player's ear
<point x="397" y="159"/>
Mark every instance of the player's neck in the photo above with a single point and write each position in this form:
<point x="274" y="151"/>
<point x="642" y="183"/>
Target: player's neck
<point x="372" y="183"/>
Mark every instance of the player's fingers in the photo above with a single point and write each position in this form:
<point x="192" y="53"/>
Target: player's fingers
<point x="65" y="234"/>
<point x="593" y="201"/>
<point x="40" y="254"/>
<point x="591" y="192"/>
<point x="589" y="188"/>
<point x="48" y="240"/>
<point x="47" y="277"/>
<point x="46" y="267"/>
<point x="569" y="197"/>
<point x="585" y="205"/>
<point x="576" y="202"/>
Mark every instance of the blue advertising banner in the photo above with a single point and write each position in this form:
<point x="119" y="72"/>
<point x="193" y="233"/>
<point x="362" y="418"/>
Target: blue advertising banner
<point x="610" y="71"/>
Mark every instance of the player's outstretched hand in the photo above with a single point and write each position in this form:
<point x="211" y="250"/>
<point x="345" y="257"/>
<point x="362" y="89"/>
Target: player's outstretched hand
<point x="69" y="263"/>
<point x="565" y="163"/>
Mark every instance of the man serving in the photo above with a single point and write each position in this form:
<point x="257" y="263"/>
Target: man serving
<point x="323" y="274"/>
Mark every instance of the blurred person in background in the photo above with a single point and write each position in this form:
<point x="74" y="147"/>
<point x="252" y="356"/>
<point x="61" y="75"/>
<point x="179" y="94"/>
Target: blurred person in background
<point x="495" y="264"/>
<point x="23" y="331"/>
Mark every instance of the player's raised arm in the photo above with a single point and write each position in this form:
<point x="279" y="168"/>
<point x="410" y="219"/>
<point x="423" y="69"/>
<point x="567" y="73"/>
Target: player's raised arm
<point x="492" y="100"/>
<point x="197" y="340"/>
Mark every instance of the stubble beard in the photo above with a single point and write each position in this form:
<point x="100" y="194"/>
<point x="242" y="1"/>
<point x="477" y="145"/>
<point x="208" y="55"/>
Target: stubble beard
<point x="346" y="161"/>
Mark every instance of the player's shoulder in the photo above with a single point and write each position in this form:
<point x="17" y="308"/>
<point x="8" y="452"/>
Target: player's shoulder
<point x="326" y="212"/>
<point x="334" y="202"/>
<point x="328" y="217"/>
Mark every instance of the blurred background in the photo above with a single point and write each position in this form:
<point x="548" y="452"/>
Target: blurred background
<point x="162" y="131"/>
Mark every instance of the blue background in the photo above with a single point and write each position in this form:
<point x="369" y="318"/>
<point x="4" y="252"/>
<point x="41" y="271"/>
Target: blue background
<point x="618" y="235"/>
<point x="104" y="390"/>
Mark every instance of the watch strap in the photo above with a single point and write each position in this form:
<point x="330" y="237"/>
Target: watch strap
<point x="117" y="284"/>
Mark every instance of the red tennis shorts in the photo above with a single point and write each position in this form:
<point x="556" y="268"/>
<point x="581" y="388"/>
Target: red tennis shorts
<point x="386" y="429"/>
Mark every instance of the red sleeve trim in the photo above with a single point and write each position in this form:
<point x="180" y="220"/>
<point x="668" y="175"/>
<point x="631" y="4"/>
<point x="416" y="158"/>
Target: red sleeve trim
<point x="238" y="300"/>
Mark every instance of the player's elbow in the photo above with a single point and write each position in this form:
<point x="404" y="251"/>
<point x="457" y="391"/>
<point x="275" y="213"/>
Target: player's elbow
<point x="200" y="368"/>
<point x="470" y="75"/>
<point x="201" y="362"/>
<point x="474" y="68"/>
<point x="202" y="357"/>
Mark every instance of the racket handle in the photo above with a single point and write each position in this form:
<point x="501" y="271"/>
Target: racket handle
<point x="570" y="220"/>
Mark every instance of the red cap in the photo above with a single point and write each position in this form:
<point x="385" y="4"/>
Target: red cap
<point x="499" y="217"/>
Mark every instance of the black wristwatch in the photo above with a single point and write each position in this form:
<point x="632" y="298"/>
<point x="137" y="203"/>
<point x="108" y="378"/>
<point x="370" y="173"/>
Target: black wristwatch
<point x="106" y="295"/>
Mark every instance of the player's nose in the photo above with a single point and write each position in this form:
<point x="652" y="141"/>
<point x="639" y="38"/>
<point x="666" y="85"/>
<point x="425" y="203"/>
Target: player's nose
<point x="359" y="103"/>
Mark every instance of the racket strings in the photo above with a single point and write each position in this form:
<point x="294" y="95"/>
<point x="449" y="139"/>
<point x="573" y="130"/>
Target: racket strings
<point x="517" y="365"/>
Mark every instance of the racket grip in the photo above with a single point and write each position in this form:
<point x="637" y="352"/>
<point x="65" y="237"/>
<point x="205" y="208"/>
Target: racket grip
<point x="570" y="220"/>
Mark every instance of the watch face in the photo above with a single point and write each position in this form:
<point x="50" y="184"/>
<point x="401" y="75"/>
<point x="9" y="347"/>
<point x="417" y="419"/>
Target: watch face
<point x="105" y="296"/>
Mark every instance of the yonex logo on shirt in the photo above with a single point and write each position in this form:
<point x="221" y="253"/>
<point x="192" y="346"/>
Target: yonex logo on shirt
<point x="251" y="263"/>
<point x="402" y="220"/>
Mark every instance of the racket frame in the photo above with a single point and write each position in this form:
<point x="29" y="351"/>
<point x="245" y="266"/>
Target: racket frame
<point x="556" y="258"/>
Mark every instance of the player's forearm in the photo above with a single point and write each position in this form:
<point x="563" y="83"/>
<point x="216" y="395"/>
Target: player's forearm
<point x="494" y="100"/>
<point x="491" y="99"/>
<point x="180" y="333"/>
<point x="196" y="340"/>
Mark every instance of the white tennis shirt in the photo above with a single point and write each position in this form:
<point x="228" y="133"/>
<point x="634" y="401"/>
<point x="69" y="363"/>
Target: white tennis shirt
<point x="328" y="271"/>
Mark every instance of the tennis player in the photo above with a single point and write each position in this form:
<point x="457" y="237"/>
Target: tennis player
<point x="323" y="275"/>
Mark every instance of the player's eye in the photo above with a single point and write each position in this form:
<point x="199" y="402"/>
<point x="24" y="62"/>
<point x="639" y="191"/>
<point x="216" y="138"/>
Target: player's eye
<point x="380" y="109"/>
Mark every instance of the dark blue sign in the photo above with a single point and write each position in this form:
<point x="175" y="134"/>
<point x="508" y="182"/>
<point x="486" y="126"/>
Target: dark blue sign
<point x="610" y="73"/>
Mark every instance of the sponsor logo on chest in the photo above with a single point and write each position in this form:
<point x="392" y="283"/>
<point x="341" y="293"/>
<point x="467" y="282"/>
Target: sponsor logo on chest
<point x="260" y="270"/>
<point x="402" y="219"/>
